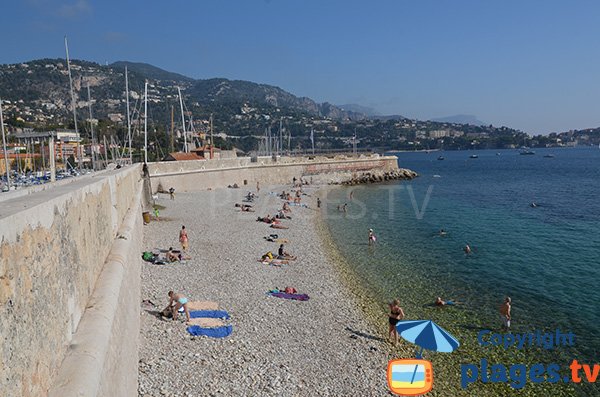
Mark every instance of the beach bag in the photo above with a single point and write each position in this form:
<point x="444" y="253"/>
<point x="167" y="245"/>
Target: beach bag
<point x="148" y="256"/>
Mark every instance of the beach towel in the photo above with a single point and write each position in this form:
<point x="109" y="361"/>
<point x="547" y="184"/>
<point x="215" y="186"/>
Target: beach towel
<point x="202" y="305"/>
<point x="209" y="314"/>
<point x="283" y="295"/>
<point x="274" y="262"/>
<point x="220" y="332"/>
<point x="206" y="322"/>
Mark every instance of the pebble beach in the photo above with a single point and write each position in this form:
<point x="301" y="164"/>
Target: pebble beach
<point x="324" y="346"/>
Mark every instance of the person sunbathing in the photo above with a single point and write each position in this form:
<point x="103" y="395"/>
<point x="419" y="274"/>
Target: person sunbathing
<point x="245" y="207"/>
<point x="282" y="215"/>
<point x="286" y="207"/>
<point x="282" y="254"/>
<point x="172" y="256"/>
<point x="269" y="259"/>
<point x="177" y="301"/>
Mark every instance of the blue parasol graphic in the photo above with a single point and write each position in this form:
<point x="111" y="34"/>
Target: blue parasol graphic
<point x="427" y="335"/>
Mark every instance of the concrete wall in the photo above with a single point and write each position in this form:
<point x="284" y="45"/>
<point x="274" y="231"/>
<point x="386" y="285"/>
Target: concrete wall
<point x="196" y="175"/>
<point x="57" y="279"/>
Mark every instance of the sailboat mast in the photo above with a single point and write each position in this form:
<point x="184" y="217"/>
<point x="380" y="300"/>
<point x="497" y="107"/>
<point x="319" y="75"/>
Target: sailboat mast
<point x="146" y="122"/>
<point x="280" y="146"/>
<point x="172" y="138"/>
<point x="128" y="115"/>
<point x="4" y="147"/>
<point x="92" y="128"/>
<point x="182" y="121"/>
<point x="212" y="143"/>
<point x="289" y="140"/>
<point x="73" y="100"/>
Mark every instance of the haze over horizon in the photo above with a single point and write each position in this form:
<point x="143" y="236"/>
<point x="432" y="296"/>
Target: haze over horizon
<point x="526" y="66"/>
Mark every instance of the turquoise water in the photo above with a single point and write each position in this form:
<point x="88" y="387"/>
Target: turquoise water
<point x="545" y="258"/>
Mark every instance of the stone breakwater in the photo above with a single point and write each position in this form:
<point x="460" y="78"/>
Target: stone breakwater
<point x="378" y="176"/>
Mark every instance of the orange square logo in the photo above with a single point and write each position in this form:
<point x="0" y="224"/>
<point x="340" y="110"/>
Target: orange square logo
<point x="410" y="377"/>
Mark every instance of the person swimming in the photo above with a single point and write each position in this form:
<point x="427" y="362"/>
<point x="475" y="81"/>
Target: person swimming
<point x="440" y="302"/>
<point x="467" y="249"/>
<point x="442" y="232"/>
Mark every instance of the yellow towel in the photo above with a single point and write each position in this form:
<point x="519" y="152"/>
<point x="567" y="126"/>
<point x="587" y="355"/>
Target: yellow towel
<point x="202" y="305"/>
<point x="207" y="322"/>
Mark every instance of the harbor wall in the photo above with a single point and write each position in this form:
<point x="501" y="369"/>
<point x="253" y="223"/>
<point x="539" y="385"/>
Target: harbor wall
<point x="69" y="287"/>
<point x="194" y="175"/>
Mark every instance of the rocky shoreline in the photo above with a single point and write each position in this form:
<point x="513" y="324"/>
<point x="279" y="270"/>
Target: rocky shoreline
<point x="378" y="177"/>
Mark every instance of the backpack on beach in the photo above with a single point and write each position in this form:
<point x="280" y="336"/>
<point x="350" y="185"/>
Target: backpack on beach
<point x="148" y="256"/>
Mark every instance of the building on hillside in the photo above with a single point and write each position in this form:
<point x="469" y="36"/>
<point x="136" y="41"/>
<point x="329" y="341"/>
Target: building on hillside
<point x="200" y="153"/>
<point x="26" y="161"/>
<point x="66" y="142"/>
<point x="181" y="156"/>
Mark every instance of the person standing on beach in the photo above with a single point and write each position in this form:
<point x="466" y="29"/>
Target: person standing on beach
<point x="396" y="314"/>
<point x="183" y="238"/>
<point x="172" y="193"/>
<point x="318" y="202"/>
<point x="505" y="313"/>
<point x="177" y="301"/>
<point x="257" y="187"/>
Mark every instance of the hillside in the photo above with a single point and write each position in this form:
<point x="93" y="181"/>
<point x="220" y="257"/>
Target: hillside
<point x="36" y="95"/>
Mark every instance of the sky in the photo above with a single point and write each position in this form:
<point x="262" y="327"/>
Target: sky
<point x="532" y="65"/>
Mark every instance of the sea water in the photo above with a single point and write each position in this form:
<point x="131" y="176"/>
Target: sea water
<point x="545" y="257"/>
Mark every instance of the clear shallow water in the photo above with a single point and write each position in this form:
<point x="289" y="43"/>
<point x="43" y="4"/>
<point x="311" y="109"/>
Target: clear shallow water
<point x="545" y="258"/>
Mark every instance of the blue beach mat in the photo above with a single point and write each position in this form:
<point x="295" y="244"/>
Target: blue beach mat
<point x="219" y="332"/>
<point x="209" y="314"/>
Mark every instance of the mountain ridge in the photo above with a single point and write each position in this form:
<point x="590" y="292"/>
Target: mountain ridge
<point x="468" y="119"/>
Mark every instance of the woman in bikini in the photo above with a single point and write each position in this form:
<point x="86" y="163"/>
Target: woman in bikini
<point x="396" y="314"/>
<point x="183" y="238"/>
<point x="177" y="301"/>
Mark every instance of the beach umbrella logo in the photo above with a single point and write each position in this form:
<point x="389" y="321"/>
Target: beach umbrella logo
<point x="411" y="377"/>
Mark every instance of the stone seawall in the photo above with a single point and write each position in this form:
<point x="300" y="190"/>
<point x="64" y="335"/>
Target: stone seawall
<point x="55" y="272"/>
<point x="197" y="175"/>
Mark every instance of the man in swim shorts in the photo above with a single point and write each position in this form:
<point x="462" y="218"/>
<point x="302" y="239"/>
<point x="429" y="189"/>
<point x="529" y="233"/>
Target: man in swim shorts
<point x="177" y="301"/>
<point x="505" y="313"/>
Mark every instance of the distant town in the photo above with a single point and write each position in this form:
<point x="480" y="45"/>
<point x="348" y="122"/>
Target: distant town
<point x="231" y="115"/>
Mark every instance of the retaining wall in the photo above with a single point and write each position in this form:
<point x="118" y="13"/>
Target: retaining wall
<point x="194" y="175"/>
<point x="65" y="303"/>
